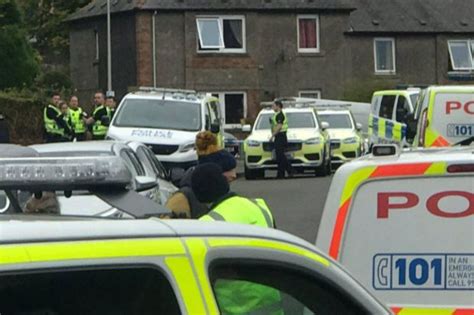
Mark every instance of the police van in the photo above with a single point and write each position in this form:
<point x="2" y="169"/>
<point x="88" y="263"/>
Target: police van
<point x="308" y="141"/>
<point x="402" y="224"/>
<point x="388" y="115"/>
<point x="167" y="121"/>
<point x="444" y="116"/>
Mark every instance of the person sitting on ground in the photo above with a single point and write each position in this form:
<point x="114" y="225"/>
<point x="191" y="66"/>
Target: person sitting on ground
<point x="183" y="203"/>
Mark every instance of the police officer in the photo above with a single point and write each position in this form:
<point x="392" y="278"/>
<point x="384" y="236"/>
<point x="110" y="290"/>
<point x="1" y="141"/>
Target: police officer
<point x="279" y="124"/>
<point x="78" y="118"/>
<point x="210" y="186"/>
<point x="54" y="124"/>
<point x="101" y="117"/>
<point x="69" y="131"/>
<point x="111" y="104"/>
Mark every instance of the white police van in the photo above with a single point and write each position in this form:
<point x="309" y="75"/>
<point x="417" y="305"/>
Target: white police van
<point x="402" y="224"/>
<point x="167" y="121"/>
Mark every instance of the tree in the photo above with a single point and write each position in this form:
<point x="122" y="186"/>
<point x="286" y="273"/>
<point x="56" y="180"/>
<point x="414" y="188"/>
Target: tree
<point x="18" y="62"/>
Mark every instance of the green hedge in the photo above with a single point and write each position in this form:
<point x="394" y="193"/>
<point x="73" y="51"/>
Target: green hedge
<point x="24" y="116"/>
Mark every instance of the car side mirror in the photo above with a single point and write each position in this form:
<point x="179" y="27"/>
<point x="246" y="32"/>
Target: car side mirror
<point x="246" y="128"/>
<point x="324" y="125"/>
<point x="411" y="126"/>
<point x="358" y="126"/>
<point x="175" y="175"/>
<point x="215" y="128"/>
<point x="143" y="183"/>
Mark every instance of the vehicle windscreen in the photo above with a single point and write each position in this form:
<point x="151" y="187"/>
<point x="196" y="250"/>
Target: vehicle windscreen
<point x="295" y="121"/>
<point x="453" y="116"/>
<point x="337" y="121"/>
<point x="159" y="114"/>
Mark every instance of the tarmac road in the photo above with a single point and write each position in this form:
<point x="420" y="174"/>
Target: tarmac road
<point x="296" y="203"/>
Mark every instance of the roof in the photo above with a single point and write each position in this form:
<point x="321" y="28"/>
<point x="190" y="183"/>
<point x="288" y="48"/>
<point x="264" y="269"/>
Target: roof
<point x="14" y="151"/>
<point x="331" y="111"/>
<point x="413" y="16"/>
<point x="13" y="229"/>
<point x="99" y="7"/>
<point x="91" y="147"/>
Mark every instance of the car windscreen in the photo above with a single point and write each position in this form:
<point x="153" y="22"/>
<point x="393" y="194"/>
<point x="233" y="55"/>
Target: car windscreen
<point x="159" y="114"/>
<point x="337" y="121"/>
<point x="295" y="121"/>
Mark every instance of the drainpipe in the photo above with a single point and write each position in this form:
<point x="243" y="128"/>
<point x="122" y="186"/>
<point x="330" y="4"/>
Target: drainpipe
<point x="153" y="32"/>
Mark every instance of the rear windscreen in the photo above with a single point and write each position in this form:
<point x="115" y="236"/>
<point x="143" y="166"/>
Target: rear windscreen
<point x="453" y="116"/>
<point x="412" y="242"/>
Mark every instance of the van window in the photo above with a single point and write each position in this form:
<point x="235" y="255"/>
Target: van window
<point x="159" y="114"/>
<point x="386" y="106"/>
<point x="214" y="111"/>
<point x="90" y="291"/>
<point x="265" y="288"/>
<point x="383" y="248"/>
<point x="402" y="109"/>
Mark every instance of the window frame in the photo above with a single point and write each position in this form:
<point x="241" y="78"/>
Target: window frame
<point x="318" y="38"/>
<point x="470" y="47"/>
<point x="318" y="92"/>
<point x="222" y="50"/>
<point x="221" y="97"/>
<point x="97" y="47"/>
<point x="385" y="39"/>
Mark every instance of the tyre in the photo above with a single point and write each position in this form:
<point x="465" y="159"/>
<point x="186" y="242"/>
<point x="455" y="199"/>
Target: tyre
<point x="253" y="174"/>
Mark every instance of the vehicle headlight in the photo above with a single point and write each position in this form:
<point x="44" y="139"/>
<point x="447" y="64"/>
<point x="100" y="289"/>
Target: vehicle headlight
<point x="351" y="140"/>
<point x="253" y="143"/>
<point x="187" y="147"/>
<point x="313" y="141"/>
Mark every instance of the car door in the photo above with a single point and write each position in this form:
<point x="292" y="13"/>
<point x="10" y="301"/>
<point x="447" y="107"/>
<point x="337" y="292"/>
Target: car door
<point x="134" y="276"/>
<point x="257" y="276"/>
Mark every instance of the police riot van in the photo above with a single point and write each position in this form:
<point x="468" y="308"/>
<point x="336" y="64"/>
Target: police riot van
<point x="388" y="115"/>
<point x="402" y="224"/>
<point x="167" y="121"/>
<point x="444" y="116"/>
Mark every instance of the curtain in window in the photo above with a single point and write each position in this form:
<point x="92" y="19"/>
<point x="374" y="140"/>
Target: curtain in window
<point x="308" y="36"/>
<point x="384" y="55"/>
<point x="233" y="33"/>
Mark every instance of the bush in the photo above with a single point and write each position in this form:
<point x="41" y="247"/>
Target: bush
<point x="24" y="115"/>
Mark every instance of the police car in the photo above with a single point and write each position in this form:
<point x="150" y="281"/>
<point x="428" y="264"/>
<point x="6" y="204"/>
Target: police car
<point x="389" y="114"/>
<point x="167" y="120"/>
<point x="56" y="265"/>
<point x="308" y="142"/>
<point x="444" y="116"/>
<point x="402" y="224"/>
<point x="347" y="142"/>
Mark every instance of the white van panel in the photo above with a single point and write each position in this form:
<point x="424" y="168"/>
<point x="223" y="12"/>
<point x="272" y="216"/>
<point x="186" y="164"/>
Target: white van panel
<point x="453" y="115"/>
<point x="412" y="242"/>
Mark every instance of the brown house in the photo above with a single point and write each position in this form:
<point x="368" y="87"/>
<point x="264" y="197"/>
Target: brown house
<point x="247" y="51"/>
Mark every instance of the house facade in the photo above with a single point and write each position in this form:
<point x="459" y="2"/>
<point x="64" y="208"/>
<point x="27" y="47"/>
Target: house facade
<point x="248" y="51"/>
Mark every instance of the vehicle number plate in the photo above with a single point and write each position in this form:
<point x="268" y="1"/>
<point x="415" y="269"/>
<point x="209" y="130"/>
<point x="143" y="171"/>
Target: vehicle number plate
<point x="460" y="130"/>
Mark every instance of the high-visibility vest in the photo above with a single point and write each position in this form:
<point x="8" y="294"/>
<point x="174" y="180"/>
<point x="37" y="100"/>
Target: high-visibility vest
<point x="99" y="129"/>
<point x="241" y="210"/>
<point x="77" y="122"/>
<point x="50" y="125"/>
<point x="284" y="126"/>
<point x="244" y="297"/>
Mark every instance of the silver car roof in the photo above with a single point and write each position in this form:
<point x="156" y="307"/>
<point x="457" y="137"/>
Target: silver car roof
<point x="83" y="146"/>
<point x="14" y="151"/>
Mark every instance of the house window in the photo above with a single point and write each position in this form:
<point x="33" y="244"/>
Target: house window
<point x="308" y="33"/>
<point x="461" y="53"/>
<point x="96" y="45"/>
<point x="310" y="94"/>
<point x="384" y="55"/>
<point x="233" y="107"/>
<point x="221" y="34"/>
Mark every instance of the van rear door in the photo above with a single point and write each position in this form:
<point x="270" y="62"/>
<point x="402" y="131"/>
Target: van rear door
<point x="411" y="242"/>
<point x="452" y="115"/>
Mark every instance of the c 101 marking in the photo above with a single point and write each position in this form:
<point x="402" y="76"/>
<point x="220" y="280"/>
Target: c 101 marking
<point x="423" y="272"/>
<point x="460" y="130"/>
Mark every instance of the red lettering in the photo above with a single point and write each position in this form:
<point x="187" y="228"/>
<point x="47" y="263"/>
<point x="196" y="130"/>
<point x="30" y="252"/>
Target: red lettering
<point x="432" y="204"/>
<point x="384" y="205"/>
<point x="469" y="107"/>
<point x="450" y="105"/>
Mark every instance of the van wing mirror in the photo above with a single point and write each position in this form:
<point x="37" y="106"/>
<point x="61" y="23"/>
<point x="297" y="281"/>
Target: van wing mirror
<point x="324" y="125"/>
<point x="358" y="126"/>
<point x="215" y="128"/>
<point x="411" y="126"/>
<point x="143" y="183"/>
<point x="246" y="128"/>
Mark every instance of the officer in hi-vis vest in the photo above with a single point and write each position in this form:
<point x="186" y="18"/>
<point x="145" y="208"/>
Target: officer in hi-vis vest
<point x="78" y="118"/>
<point x="279" y="124"/>
<point x="55" y="126"/>
<point x="101" y="117"/>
